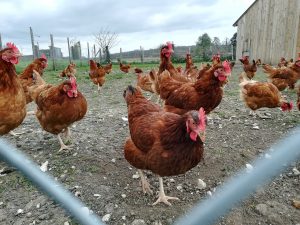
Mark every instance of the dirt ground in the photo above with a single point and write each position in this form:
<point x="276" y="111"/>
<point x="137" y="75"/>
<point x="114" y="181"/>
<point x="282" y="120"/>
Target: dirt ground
<point x="96" y="169"/>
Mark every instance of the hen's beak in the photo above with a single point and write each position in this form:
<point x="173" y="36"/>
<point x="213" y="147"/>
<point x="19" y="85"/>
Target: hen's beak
<point x="201" y="135"/>
<point x="17" y="55"/>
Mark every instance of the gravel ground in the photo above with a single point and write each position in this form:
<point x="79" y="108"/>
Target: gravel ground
<point x="96" y="171"/>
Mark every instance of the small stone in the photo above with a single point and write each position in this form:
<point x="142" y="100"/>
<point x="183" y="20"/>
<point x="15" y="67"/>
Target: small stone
<point x="44" y="217"/>
<point x="135" y="176"/>
<point x="113" y="160"/>
<point x="66" y="223"/>
<point x="1" y="203"/>
<point x="201" y="184"/>
<point x="106" y="218"/>
<point x="77" y="193"/>
<point x="29" y="214"/>
<point x="44" y="166"/>
<point x="209" y="193"/>
<point x="179" y="188"/>
<point x="38" y="206"/>
<point x="296" y="171"/>
<point x="255" y="127"/>
<point x="172" y="180"/>
<point x="97" y="195"/>
<point x="20" y="211"/>
<point x="262" y="209"/>
<point x="123" y="195"/>
<point x="123" y="217"/>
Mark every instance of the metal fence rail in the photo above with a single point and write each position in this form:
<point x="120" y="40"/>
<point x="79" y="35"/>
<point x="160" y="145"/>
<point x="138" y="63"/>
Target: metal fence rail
<point x="47" y="184"/>
<point x="241" y="186"/>
<point x="206" y="212"/>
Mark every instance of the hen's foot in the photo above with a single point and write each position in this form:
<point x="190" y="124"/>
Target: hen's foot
<point x="164" y="198"/>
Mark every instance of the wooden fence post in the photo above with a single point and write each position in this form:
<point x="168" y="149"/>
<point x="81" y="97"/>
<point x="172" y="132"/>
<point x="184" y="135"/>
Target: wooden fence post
<point x="94" y="52"/>
<point x="120" y="54"/>
<point x="100" y="55"/>
<point x="88" y="48"/>
<point x="52" y="54"/>
<point x="69" y="49"/>
<point x="32" y="43"/>
<point x="80" y="57"/>
<point x="142" y="54"/>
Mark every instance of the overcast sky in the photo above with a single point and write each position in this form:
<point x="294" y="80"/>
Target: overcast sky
<point x="146" y="23"/>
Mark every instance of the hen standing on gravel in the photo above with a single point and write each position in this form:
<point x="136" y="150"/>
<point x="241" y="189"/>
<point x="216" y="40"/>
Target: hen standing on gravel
<point x="165" y="143"/>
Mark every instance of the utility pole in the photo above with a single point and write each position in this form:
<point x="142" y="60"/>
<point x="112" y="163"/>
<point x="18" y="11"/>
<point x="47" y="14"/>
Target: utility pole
<point x="32" y="43"/>
<point x="52" y="51"/>
<point x="69" y="49"/>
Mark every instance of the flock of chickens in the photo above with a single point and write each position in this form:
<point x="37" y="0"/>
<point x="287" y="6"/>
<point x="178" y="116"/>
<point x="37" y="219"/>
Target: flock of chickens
<point x="166" y="140"/>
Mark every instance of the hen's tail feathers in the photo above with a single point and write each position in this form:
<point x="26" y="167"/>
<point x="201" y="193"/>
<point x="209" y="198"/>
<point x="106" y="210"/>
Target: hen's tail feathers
<point x="138" y="70"/>
<point x="269" y="70"/>
<point x="165" y="74"/>
<point x="243" y="79"/>
<point x="153" y="75"/>
<point x="38" y="79"/>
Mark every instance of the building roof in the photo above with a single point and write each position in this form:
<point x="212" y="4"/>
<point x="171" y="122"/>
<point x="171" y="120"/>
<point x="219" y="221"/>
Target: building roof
<point x="236" y="22"/>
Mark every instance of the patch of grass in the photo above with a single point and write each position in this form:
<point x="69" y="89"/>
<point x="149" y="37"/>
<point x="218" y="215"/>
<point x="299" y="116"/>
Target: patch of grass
<point x="16" y="181"/>
<point x="292" y="121"/>
<point x="115" y="76"/>
<point x="221" y="114"/>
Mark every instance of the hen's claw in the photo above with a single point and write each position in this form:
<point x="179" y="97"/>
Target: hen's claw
<point x="164" y="199"/>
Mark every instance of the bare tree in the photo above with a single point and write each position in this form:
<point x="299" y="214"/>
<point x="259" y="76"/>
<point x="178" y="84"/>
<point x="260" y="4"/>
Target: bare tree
<point x="106" y="39"/>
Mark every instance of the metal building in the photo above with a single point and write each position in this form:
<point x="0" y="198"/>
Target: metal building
<point x="269" y="29"/>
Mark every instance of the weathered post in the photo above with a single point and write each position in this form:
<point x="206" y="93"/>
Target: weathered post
<point x="52" y="51"/>
<point x="88" y="48"/>
<point x="80" y="55"/>
<point x="142" y="54"/>
<point x="32" y="43"/>
<point x="69" y="50"/>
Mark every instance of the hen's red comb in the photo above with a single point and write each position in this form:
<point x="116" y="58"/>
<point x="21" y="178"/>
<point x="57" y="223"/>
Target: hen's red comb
<point x="226" y="66"/>
<point x="216" y="57"/>
<point x="43" y="56"/>
<point x="12" y="46"/>
<point x="169" y="44"/>
<point x="202" y="118"/>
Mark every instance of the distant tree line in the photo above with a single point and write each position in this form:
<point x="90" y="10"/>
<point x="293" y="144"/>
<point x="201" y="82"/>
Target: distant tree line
<point x="203" y="51"/>
<point x="206" y="47"/>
